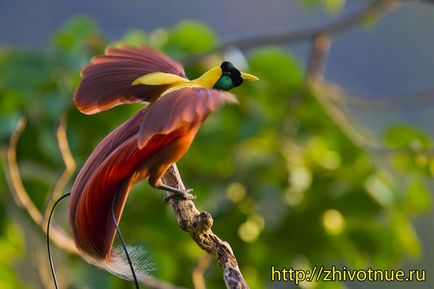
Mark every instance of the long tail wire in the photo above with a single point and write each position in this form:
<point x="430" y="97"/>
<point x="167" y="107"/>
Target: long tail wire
<point x="121" y="239"/>
<point x="50" y="257"/>
<point x="118" y="230"/>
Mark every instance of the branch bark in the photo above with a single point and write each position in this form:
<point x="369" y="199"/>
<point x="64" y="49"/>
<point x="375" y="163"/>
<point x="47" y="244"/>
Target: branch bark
<point x="198" y="225"/>
<point x="199" y="271"/>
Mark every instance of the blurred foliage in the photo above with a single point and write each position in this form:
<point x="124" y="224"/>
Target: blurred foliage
<point x="331" y="6"/>
<point x="285" y="186"/>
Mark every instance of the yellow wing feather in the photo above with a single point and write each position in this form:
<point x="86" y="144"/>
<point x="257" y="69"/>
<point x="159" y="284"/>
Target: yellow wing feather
<point x="159" y="78"/>
<point x="207" y="80"/>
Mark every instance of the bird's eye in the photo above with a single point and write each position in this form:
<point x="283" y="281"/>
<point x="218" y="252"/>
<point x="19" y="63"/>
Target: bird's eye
<point x="235" y="72"/>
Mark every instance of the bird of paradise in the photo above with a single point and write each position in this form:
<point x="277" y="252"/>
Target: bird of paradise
<point x="145" y="145"/>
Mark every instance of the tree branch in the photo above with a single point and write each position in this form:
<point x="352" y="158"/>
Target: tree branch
<point x="328" y="94"/>
<point x="14" y="178"/>
<point x="198" y="225"/>
<point x="332" y="29"/>
<point x="198" y="272"/>
<point x="339" y="26"/>
<point x="317" y="61"/>
<point x="21" y="196"/>
<point x="69" y="162"/>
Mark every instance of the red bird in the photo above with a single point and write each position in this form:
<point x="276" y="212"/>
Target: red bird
<point x="145" y="145"/>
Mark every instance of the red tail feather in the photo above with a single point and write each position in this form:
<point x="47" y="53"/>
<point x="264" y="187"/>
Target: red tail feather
<point x="115" y="165"/>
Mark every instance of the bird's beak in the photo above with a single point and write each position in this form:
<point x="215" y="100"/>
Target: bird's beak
<point x="247" y="76"/>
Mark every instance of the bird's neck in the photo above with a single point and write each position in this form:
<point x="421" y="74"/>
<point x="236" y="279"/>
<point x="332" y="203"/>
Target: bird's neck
<point x="209" y="78"/>
<point x="206" y="80"/>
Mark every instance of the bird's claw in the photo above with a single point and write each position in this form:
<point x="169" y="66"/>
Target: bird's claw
<point x="183" y="195"/>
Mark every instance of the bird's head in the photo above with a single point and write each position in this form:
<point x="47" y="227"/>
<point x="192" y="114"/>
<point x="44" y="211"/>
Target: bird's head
<point x="231" y="77"/>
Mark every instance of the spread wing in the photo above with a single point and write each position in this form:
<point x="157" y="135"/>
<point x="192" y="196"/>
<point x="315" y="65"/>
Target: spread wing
<point x="107" y="80"/>
<point x="182" y="108"/>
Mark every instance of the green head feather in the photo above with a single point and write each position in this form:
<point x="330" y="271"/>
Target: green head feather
<point x="230" y="78"/>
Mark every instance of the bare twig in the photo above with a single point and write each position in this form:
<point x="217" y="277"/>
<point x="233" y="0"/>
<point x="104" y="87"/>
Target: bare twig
<point x="58" y="236"/>
<point x="328" y="94"/>
<point x="43" y="275"/>
<point x="418" y="99"/>
<point x="322" y="93"/>
<point x="69" y="162"/>
<point x="335" y="28"/>
<point x="317" y="61"/>
<point x="377" y="8"/>
<point x="198" y="225"/>
<point x="198" y="272"/>
<point x="320" y="48"/>
<point x="14" y="178"/>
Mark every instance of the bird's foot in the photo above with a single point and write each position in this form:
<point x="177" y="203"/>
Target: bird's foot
<point x="183" y="195"/>
<point x="177" y="194"/>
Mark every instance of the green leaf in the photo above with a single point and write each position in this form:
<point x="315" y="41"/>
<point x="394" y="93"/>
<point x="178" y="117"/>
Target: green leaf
<point x="134" y="37"/>
<point x="9" y="278"/>
<point x="76" y="33"/>
<point x="276" y="67"/>
<point x="419" y="197"/>
<point x="331" y="6"/>
<point x="406" y="235"/>
<point x="11" y="243"/>
<point x="334" y="6"/>
<point x="379" y="190"/>
<point x="404" y="136"/>
<point x="193" y="36"/>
